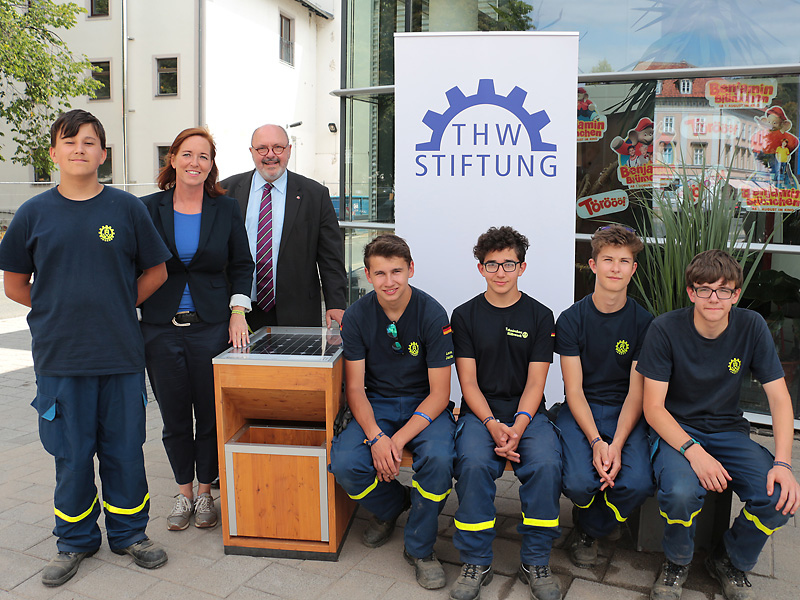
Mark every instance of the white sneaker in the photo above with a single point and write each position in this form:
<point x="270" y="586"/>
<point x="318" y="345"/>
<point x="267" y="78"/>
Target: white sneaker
<point x="178" y="519"/>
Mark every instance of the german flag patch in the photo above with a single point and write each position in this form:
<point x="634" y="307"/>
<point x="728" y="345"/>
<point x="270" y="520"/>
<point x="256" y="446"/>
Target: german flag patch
<point x="446" y="329"/>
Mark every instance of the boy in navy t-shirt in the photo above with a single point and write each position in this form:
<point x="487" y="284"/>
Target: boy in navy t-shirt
<point x="693" y="361"/>
<point x="85" y="243"/>
<point x="607" y="471"/>
<point x="504" y="346"/>
<point x="398" y="351"/>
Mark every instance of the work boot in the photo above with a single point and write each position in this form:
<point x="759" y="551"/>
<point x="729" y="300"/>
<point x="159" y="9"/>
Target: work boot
<point x="378" y="532"/>
<point x="146" y="553"/>
<point x="429" y="571"/>
<point x="735" y="585"/>
<point x="61" y="569"/>
<point x="178" y="519"/>
<point x="669" y="584"/>
<point x="204" y="513"/>
<point x="542" y="584"/>
<point x="582" y="548"/>
<point x="468" y="585"/>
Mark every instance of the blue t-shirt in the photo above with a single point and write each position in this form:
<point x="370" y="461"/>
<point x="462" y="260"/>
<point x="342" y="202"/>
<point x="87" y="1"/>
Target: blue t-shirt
<point x="705" y="376"/>
<point x="84" y="256"/>
<point x="503" y="342"/>
<point x="423" y="331"/>
<point x="607" y="344"/>
<point x="187" y="238"/>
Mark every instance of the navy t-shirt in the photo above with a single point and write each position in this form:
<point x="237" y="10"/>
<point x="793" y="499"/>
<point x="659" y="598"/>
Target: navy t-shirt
<point x="84" y="256"/>
<point x="424" y="332"/>
<point x="503" y="342"/>
<point x="607" y="344"/>
<point x="705" y="376"/>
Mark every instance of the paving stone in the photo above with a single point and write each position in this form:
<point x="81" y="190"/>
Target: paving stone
<point x="28" y="512"/>
<point x="21" y="536"/>
<point x="357" y="585"/>
<point x="290" y="583"/>
<point x="164" y="590"/>
<point x="17" y="567"/>
<point x="633" y="570"/>
<point x="112" y="582"/>
<point x="560" y="563"/>
<point x="580" y="589"/>
<point x="248" y="593"/>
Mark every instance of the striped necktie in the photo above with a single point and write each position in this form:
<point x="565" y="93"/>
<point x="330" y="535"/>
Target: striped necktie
<point x="265" y="281"/>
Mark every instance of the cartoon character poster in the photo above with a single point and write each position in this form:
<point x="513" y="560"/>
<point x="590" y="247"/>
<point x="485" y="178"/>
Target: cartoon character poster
<point x="635" y="152"/>
<point x="591" y="124"/>
<point x="773" y="147"/>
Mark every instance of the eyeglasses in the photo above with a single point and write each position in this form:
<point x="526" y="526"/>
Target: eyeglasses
<point x="509" y="266"/>
<point x="705" y="292"/>
<point x="276" y="150"/>
<point x="391" y="331"/>
<point x="626" y="228"/>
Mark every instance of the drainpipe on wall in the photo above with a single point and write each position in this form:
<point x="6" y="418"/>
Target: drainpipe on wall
<point x="201" y="27"/>
<point x="125" y="92"/>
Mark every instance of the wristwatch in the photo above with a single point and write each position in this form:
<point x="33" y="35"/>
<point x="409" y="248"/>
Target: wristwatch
<point x="688" y="445"/>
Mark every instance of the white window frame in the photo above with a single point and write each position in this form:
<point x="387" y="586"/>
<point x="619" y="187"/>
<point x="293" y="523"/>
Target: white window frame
<point x="685" y="86"/>
<point x="286" y="45"/>
<point x="669" y="124"/>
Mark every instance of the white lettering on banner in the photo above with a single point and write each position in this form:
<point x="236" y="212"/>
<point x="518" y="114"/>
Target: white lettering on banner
<point x="602" y="204"/>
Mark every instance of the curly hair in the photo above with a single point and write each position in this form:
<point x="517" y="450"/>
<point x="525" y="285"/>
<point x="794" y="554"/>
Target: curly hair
<point x="500" y="238"/>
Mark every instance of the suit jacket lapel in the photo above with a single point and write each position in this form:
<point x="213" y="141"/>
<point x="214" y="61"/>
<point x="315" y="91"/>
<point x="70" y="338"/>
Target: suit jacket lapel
<point x="293" y="199"/>
<point x="207" y="217"/>
<point x="167" y="214"/>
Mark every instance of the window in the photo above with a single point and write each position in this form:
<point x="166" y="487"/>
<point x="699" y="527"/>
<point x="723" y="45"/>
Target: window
<point x="98" y="8"/>
<point x="41" y="175"/>
<point x="686" y="86"/>
<point x="161" y="157"/>
<point x="102" y="73"/>
<point x="698" y="154"/>
<point x="699" y="125"/>
<point x="658" y="88"/>
<point x="669" y="124"/>
<point x="105" y="174"/>
<point x="666" y="154"/>
<point x="167" y="76"/>
<point x="287" y="40"/>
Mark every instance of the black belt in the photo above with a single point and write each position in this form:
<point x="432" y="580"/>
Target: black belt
<point x="182" y="319"/>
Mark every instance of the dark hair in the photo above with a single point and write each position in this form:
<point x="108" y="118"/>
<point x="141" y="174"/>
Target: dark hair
<point x="711" y="266"/>
<point x="166" y="176"/>
<point x="500" y="238"/>
<point x="387" y="245"/>
<point x="616" y="235"/>
<point x="67" y="125"/>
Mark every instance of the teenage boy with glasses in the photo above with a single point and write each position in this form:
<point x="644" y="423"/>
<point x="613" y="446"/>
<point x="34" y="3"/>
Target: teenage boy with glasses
<point x="504" y="346"/>
<point x="398" y="351"/>
<point x="693" y="362"/>
<point x="607" y="471"/>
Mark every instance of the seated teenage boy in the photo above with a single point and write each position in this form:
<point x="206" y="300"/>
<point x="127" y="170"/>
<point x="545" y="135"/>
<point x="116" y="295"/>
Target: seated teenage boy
<point x="694" y="360"/>
<point x="607" y="471"/>
<point x="504" y="346"/>
<point x="398" y="351"/>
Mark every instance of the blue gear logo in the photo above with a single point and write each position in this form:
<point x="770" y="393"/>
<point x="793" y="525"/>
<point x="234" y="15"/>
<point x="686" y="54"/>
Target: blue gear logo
<point x="533" y="122"/>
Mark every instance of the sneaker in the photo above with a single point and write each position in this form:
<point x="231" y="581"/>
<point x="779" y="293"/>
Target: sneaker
<point x="542" y="584"/>
<point x="468" y="585"/>
<point x="63" y="567"/>
<point x="204" y="513"/>
<point x="146" y="553"/>
<point x="735" y="585"/>
<point x="669" y="584"/>
<point x="582" y="548"/>
<point x="378" y="532"/>
<point x="178" y="519"/>
<point x="429" y="571"/>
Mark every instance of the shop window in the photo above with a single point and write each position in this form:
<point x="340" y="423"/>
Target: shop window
<point x="98" y="8"/>
<point x="102" y="72"/>
<point x="287" y="40"/>
<point x="669" y="124"/>
<point x="167" y="76"/>
<point x="105" y="174"/>
<point x="699" y="125"/>
<point x="698" y="154"/>
<point x="686" y="86"/>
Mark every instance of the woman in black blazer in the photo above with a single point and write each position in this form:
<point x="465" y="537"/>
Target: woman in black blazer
<point x="195" y="314"/>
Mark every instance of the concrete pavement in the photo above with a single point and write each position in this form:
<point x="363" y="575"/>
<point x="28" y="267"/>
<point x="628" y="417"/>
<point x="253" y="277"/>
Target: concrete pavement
<point x="199" y="569"/>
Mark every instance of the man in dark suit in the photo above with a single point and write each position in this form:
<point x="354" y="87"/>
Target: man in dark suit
<point x="306" y="242"/>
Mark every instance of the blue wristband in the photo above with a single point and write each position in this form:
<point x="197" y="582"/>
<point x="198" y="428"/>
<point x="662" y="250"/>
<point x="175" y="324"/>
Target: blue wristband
<point x="371" y="442"/>
<point x="594" y="441"/>
<point x="424" y="416"/>
<point x="487" y="419"/>
<point x="522" y="412"/>
<point x="780" y="463"/>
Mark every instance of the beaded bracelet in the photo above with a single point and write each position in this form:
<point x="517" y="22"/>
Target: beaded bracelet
<point x="522" y="412"/>
<point x="780" y="463"/>
<point x="424" y="416"/>
<point x="371" y="442"/>
<point x="487" y="419"/>
<point x="594" y="441"/>
<point x="236" y="311"/>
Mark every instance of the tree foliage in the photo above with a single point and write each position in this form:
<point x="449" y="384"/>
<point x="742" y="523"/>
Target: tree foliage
<point x="38" y="74"/>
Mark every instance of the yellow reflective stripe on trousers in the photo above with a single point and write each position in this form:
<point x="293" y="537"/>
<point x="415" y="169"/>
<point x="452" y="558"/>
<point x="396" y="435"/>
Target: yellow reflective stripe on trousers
<point x="758" y="523"/>
<point x="366" y="491"/>
<point x="613" y="508"/>
<point x="69" y="519"/>
<point x="474" y="526"/>
<point x="127" y="511"/>
<point x="428" y="495"/>
<point x="539" y="522"/>
<point x="678" y="521"/>
<point x="587" y="506"/>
